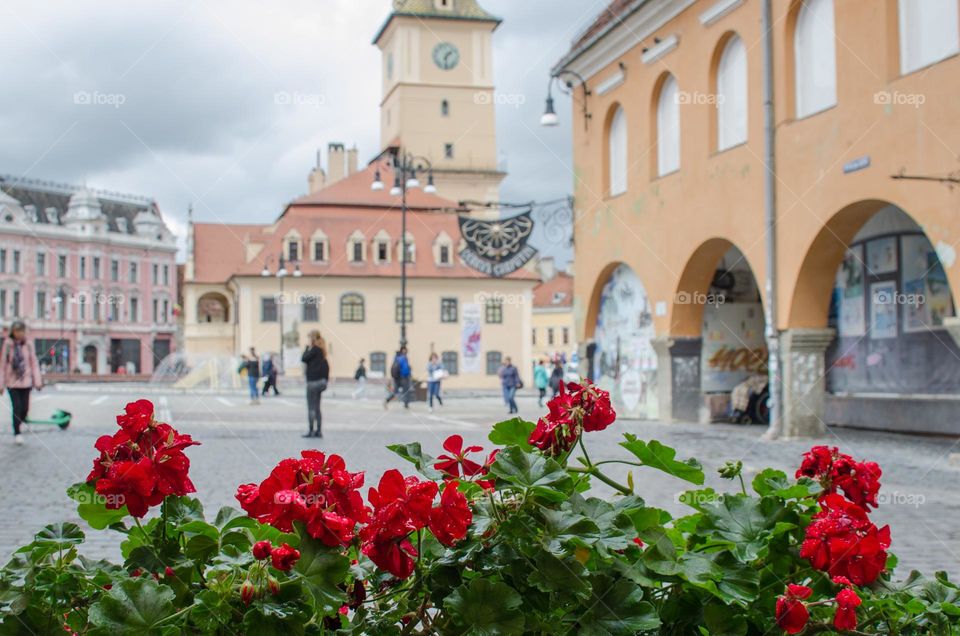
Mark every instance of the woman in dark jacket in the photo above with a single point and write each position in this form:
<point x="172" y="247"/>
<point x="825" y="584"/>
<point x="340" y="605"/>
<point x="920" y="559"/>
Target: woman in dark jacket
<point x="317" y="374"/>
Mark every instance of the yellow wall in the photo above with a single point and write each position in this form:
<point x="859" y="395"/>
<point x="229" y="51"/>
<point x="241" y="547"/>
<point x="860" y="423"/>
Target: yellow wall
<point x="672" y="230"/>
<point x="544" y="319"/>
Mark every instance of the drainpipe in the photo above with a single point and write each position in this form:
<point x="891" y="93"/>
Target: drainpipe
<point x="772" y="332"/>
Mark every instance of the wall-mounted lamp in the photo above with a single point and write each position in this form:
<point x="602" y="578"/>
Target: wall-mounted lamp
<point x="565" y="79"/>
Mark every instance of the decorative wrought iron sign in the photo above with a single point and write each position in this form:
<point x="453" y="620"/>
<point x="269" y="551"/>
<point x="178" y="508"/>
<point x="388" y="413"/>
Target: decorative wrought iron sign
<point x="497" y="248"/>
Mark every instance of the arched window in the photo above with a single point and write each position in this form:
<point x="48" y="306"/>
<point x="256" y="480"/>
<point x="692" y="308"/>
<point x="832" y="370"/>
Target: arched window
<point x="928" y="32"/>
<point x="815" y="59"/>
<point x="732" y="95"/>
<point x="668" y="127"/>
<point x="617" y="152"/>
<point x="211" y="307"/>
<point x="351" y="308"/>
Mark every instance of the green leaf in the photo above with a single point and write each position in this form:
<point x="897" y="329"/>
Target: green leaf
<point x="723" y="622"/>
<point x="656" y="455"/>
<point x="775" y="483"/>
<point x="745" y="522"/>
<point x="564" y="576"/>
<point x="58" y="536"/>
<point x="533" y="471"/>
<point x="616" y="608"/>
<point x="514" y="432"/>
<point x="181" y="510"/>
<point x="322" y="570"/>
<point x="415" y="455"/>
<point x="485" y="608"/>
<point x="560" y="527"/>
<point x="134" y="606"/>
<point x="92" y="507"/>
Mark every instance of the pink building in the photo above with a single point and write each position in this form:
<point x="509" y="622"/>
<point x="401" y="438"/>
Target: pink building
<point x="92" y="273"/>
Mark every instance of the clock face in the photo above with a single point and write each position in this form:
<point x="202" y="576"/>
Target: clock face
<point x="445" y="55"/>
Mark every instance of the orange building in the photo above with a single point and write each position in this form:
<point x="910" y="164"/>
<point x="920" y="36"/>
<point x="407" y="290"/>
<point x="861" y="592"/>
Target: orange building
<point x="670" y="236"/>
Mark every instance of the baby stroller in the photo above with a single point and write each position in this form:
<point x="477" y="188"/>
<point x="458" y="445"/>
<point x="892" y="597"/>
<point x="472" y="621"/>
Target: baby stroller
<point x="748" y="401"/>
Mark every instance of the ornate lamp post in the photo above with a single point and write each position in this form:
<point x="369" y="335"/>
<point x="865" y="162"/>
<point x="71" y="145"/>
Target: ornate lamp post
<point x="565" y="78"/>
<point x="406" y="167"/>
<point x="281" y="274"/>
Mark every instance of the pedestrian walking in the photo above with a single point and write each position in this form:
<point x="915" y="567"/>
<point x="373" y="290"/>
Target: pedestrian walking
<point x="400" y="373"/>
<point x="541" y="379"/>
<point x="270" y="373"/>
<point x="556" y="377"/>
<point x="252" y="364"/>
<point x="317" y="375"/>
<point x="19" y="373"/>
<point x="360" y="376"/>
<point x="510" y="382"/>
<point x="435" y="374"/>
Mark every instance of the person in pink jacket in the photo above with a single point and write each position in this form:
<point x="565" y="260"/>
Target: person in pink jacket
<point x="19" y="374"/>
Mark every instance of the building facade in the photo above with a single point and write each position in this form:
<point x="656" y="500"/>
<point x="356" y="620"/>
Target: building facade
<point x="92" y="273"/>
<point x="552" y="334"/>
<point x="670" y="182"/>
<point x="341" y="249"/>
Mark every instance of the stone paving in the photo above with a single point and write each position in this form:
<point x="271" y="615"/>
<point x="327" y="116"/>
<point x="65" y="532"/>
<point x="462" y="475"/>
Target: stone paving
<point x="241" y="443"/>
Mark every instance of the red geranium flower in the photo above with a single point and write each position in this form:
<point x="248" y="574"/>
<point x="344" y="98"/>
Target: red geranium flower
<point x="859" y="481"/>
<point x="284" y="557"/>
<point x="792" y="614"/>
<point x="575" y="409"/>
<point x="452" y="464"/>
<point x="261" y="550"/>
<point x="846" y="614"/>
<point x="450" y="520"/>
<point x="843" y="542"/>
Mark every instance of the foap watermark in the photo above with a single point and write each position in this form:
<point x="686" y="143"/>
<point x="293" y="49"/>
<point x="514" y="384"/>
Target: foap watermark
<point x="699" y="298"/>
<point x="112" y="501"/>
<point x="498" y="298"/>
<point x="896" y="98"/>
<point x="890" y="297"/>
<point x="96" y="98"/>
<point x="699" y="98"/>
<point x="896" y="498"/>
<point x="697" y="498"/>
<point x="299" y="298"/>
<point x="296" y="98"/>
<point x="483" y="98"/>
<point x="97" y="298"/>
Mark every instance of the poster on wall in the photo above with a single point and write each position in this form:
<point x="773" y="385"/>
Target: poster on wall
<point x="882" y="255"/>
<point x="883" y="310"/>
<point x="927" y="299"/>
<point x="851" y="321"/>
<point x="470" y="337"/>
<point x="733" y="345"/>
<point x="625" y="362"/>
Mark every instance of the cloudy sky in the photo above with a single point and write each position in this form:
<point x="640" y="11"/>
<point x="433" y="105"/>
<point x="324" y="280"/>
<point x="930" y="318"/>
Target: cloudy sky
<point x="176" y="99"/>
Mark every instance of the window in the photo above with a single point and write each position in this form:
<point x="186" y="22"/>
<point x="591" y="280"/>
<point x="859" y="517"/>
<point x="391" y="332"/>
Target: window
<point x="310" y="309"/>
<point x="268" y="309"/>
<point x="41" y="264"/>
<point x="293" y="251"/>
<point x="494" y="311"/>
<point x="928" y="32"/>
<point x="16" y="303"/>
<point x="448" y="151"/>
<point x="444" y="108"/>
<point x="61" y="301"/>
<point x="3" y="261"/>
<point x="550" y="338"/>
<point x="166" y="274"/>
<point x="494" y="359"/>
<point x="156" y="310"/>
<point x="378" y="362"/>
<point x="113" y="309"/>
<point x="96" y="267"/>
<point x="617" y="152"/>
<point x="319" y="251"/>
<point x="533" y="336"/>
<point x="3" y="303"/>
<point x="383" y="251"/>
<point x="448" y="310"/>
<point x="403" y="312"/>
<point x="16" y="262"/>
<point x="134" y="310"/>
<point x="668" y="127"/>
<point x="114" y="270"/>
<point x="82" y="306"/>
<point x="732" y="95"/>
<point x="450" y="362"/>
<point x="156" y="273"/>
<point x="134" y="273"/>
<point x="41" y="308"/>
<point x="351" y="308"/>
<point x="566" y="335"/>
<point x="814" y="54"/>
<point x="95" y="301"/>
<point x="444" y="255"/>
<point x="62" y="265"/>
<point x="356" y="252"/>
<point x="165" y="317"/>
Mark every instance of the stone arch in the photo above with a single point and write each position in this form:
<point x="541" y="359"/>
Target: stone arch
<point x="213" y="307"/>
<point x="593" y="306"/>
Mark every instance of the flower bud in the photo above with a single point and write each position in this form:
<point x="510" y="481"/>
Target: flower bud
<point x="274" y="586"/>
<point x="261" y="550"/>
<point x="247" y="592"/>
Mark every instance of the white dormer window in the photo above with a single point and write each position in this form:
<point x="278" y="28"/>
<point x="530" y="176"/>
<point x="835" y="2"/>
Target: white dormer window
<point x="411" y="249"/>
<point x="443" y="250"/>
<point x="356" y="247"/>
<point x="31" y="211"/>
<point x="53" y="215"/>
<point x="122" y="224"/>
<point x="381" y="247"/>
<point x="292" y="246"/>
<point x="559" y="297"/>
<point x="320" y="252"/>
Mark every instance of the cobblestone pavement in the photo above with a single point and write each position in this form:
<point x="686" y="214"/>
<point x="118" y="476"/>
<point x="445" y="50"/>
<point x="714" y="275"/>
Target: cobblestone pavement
<point x="241" y="443"/>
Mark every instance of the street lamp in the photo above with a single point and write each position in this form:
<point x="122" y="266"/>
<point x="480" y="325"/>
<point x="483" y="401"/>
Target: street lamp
<point x="406" y="167"/>
<point x="281" y="274"/>
<point x="564" y="78"/>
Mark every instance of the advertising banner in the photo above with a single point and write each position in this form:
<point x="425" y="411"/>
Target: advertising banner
<point x="470" y="337"/>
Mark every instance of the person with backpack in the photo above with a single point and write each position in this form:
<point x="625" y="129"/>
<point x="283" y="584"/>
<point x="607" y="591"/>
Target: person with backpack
<point x="541" y="379"/>
<point x="400" y="374"/>
<point x="360" y="375"/>
<point x="270" y="373"/>
<point x="510" y="382"/>
<point x="317" y="375"/>
<point x="556" y="378"/>
<point x="19" y="374"/>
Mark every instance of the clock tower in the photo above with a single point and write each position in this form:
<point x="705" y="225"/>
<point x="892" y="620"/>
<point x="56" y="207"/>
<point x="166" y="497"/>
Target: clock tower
<point x="438" y="92"/>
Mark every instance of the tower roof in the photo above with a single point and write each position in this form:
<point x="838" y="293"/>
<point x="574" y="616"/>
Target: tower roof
<point x="459" y="10"/>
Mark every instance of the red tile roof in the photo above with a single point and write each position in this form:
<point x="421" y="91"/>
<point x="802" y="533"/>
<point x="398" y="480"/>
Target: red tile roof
<point x="556" y="292"/>
<point x="611" y="14"/>
<point x="220" y="250"/>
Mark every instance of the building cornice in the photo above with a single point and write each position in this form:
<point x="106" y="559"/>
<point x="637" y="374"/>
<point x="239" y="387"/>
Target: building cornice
<point x="63" y="234"/>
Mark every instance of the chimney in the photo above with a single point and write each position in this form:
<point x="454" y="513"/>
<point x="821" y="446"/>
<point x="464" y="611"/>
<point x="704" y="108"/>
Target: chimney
<point x="336" y="162"/>
<point x="351" y="161"/>
<point x="317" y="179"/>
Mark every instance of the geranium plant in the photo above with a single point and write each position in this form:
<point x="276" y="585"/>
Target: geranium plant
<point x="510" y="539"/>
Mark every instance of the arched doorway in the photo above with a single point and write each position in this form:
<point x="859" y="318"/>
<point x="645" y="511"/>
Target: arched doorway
<point x="90" y="358"/>
<point x="624" y="360"/>
<point x="213" y="307"/>
<point x="718" y="345"/>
